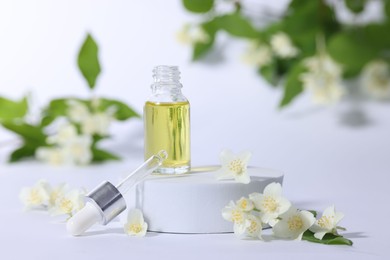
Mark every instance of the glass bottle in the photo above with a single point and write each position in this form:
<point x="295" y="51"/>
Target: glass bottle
<point x="167" y="121"/>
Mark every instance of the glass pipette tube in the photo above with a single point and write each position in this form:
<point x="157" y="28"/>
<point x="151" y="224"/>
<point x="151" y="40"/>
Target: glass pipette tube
<point x="142" y="171"/>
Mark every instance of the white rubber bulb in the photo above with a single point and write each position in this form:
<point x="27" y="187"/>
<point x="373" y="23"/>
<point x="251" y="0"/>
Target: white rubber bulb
<point x="83" y="219"/>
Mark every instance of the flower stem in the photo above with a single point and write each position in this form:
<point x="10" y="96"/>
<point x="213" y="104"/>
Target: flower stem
<point x="341" y="228"/>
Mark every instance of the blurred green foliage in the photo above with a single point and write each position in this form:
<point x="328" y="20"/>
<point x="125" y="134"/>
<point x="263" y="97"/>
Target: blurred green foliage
<point x="351" y="45"/>
<point x="32" y="132"/>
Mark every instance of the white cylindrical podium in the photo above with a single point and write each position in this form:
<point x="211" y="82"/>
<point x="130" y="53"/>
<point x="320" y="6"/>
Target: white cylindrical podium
<point x="192" y="203"/>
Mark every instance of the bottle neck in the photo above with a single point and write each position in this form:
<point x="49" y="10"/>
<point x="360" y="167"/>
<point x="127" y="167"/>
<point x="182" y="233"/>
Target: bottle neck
<point x="167" y="86"/>
<point x="166" y="75"/>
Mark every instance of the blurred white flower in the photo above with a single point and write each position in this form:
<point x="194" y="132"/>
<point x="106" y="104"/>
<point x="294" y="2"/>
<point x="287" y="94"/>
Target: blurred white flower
<point x="323" y="79"/>
<point x="257" y="54"/>
<point x="327" y="223"/>
<point x="53" y="155"/>
<point x="95" y="102"/>
<point x="271" y="203"/>
<point x="98" y="123"/>
<point x="245" y="204"/>
<point x="64" y="134"/>
<point x="293" y="224"/>
<point x="376" y="79"/>
<point x="57" y="192"/>
<point x="135" y="226"/>
<point x="190" y="34"/>
<point x="77" y="111"/>
<point x="78" y="149"/>
<point x="35" y="197"/>
<point x="235" y="214"/>
<point x="282" y="46"/>
<point x="234" y="166"/>
<point x="69" y="203"/>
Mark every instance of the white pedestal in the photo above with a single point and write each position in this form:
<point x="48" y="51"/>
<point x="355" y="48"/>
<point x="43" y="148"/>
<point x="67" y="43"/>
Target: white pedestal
<point x="192" y="203"/>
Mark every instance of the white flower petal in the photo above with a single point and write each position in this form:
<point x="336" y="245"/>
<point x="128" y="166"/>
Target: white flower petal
<point x="223" y="174"/>
<point x="256" y="198"/>
<point x="281" y="229"/>
<point x="282" y="46"/>
<point x="338" y="216"/>
<point x="77" y="111"/>
<point x="245" y="156"/>
<point x="376" y="79"/>
<point x="257" y="54"/>
<point x="243" y="178"/>
<point x="135" y="215"/>
<point x="273" y="189"/>
<point x="329" y="211"/>
<point x="308" y="219"/>
<point x="226" y="156"/>
<point x="284" y="205"/>
<point x="239" y="228"/>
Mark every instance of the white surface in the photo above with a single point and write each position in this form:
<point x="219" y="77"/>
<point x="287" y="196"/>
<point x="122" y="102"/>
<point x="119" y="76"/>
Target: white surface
<point x="192" y="203"/>
<point x="326" y="162"/>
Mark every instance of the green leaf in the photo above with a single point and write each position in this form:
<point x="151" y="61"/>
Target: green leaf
<point x="99" y="155"/>
<point x="32" y="134"/>
<point x="26" y="150"/>
<point x="56" y="108"/>
<point x="305" y="20"/>
<point x="270" y="73"/>
<point x="198" y="6"/>
<point x="237" y="25"/>
<point x="270" y="30"/>
<point x="351" y="51"/>
<point x="387" y="10"/>
<point x="377" y="35"/>
<point x="10" y="110"/>
<point x="356" y="6"/>
<point x="88" y="61"/>
<point x="293" y="86"/>
<point x="200" y="49"/>
<point x="328" y="239"/>
<point x="123" y="111"/>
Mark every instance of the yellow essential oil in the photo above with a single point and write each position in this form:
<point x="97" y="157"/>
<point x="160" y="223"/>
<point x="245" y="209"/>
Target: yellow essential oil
<point x="167" y="127"/>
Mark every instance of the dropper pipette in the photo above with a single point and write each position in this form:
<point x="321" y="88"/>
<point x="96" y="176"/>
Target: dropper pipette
<point x="106" y="201"/>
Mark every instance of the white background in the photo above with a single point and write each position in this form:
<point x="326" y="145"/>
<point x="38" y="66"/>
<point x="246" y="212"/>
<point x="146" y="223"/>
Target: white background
<point x="331" y="155"/>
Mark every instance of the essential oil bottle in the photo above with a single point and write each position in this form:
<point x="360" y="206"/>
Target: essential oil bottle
<point x="167" y="121"/>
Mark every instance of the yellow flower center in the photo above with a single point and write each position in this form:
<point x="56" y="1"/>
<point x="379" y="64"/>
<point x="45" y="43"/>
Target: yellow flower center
<point x="237" y="216"/>
<point x="253" y="227"/>
<point x="295" y="223"/>
<point x="326" y="221"/>
<point x="66" y="205"/>
<point x="269" y="204"/>
<point x="135" y="228"/>
<point x="237" y="166"/>
<point x="244" y="204"/>
<point x="35" y="197"/>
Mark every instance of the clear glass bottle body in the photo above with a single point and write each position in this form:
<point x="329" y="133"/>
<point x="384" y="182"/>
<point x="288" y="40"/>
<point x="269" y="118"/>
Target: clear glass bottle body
<point x="167" y="121"/>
